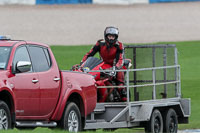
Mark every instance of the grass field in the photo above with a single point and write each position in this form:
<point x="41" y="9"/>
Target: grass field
<point x="189" y="55"/>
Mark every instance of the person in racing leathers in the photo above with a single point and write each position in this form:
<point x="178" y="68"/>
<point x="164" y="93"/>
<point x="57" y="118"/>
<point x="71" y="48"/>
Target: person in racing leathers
<point x="111" y="51"/>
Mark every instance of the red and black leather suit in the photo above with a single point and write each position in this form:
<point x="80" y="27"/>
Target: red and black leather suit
<point x="109" y="53"/>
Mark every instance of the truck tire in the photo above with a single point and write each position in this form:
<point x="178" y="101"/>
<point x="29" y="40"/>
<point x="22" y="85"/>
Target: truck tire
<point x="155" y="125"/>
<point x="71" y="120"/>
<point x="170" y="121"/>
<point x="5" y="117"/>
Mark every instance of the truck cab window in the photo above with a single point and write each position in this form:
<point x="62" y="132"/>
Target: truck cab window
<point x="39" y="59"/>
<point x="4" y="55"/>
<point x="47" y="56"/>
<point x="21" y="54"/>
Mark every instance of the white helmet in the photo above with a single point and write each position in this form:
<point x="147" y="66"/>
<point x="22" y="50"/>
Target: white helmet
<point x="111" y="31"/>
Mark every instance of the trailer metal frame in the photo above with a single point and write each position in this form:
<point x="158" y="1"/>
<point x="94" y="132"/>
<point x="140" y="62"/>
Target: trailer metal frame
<point x="137" y="113"/>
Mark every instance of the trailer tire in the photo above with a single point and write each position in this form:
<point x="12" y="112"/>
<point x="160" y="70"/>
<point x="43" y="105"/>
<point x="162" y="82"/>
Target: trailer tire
<point x="155" y="125"/>
<point x="71" y="120"/>
<point x="170" y="121"/>
<point x="5" y="117"/>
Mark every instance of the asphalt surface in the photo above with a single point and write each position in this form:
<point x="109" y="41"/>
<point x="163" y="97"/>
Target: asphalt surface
<point x="84" y="24"/>
<point x="189" y="131"/>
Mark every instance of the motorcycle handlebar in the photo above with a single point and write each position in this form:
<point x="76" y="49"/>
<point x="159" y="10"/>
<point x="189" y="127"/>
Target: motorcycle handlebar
<point x="110" y="73"/>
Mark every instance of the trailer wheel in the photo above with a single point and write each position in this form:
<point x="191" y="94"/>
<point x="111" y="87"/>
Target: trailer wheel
<point x="71" y="120"/>
<point x="5" y="117"/>
<point x="170" y="121"/>
<point x="155" y="125"/>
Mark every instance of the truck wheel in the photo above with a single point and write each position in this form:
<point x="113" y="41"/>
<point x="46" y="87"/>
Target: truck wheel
<point x="155" y="125"/>
<point x="72" y="118"/>
<point x="170" y="121"/>
<point x="5" y="117"/>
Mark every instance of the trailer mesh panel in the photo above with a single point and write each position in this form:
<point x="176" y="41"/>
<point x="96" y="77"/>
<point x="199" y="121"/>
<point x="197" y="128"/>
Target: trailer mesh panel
<point x="148" y="56"/>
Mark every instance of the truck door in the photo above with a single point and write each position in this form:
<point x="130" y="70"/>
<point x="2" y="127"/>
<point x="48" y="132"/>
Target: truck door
<point x="49" y="78"/>
<point x="25" y="87"/>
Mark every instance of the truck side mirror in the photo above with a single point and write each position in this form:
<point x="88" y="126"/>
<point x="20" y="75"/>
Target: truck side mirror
<point x="21" y="66"/>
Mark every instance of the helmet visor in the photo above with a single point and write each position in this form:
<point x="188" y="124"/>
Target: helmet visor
<point x="112" y="31"/>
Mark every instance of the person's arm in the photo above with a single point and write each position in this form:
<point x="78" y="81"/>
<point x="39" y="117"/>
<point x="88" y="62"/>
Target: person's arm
<point x="92" y="52"/>
<point x="119" y="56"/>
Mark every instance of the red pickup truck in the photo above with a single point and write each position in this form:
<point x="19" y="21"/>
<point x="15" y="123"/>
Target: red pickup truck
<point x="34" y="92"/>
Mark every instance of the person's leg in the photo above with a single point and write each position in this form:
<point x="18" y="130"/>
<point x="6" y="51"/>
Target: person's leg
<point x="121" y="90"/>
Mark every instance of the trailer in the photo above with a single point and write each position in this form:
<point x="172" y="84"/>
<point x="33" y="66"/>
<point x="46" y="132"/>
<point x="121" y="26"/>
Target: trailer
<point x="154" y="99"/>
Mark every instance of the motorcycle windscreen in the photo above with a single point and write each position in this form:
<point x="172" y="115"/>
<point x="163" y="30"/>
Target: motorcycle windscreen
<point x="92" y="62"/>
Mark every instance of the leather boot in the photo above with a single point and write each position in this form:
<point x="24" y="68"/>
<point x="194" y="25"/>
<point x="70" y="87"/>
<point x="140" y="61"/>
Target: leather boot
<point x="123" y="95"/>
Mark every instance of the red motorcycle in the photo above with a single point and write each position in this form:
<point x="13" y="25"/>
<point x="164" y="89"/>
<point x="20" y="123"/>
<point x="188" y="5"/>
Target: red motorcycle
<point x="103" y="78"/>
